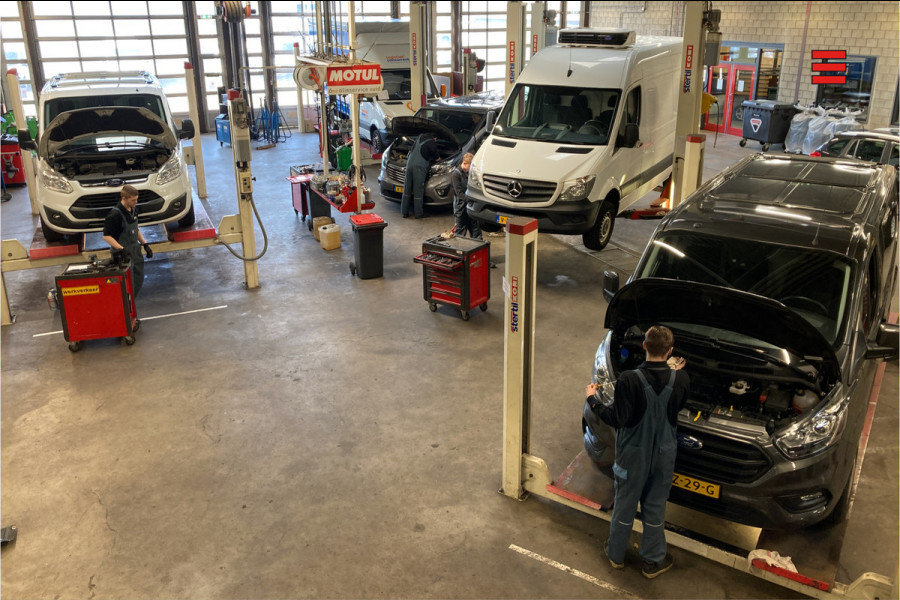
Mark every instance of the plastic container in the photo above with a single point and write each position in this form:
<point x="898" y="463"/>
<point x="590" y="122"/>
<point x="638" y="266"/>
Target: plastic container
<point x="368" y="241"/>
<point x="319" y="222"/>
<point x="804" y="400"/>
<point x="330" y="236"/>
<point x="766" y="121"/>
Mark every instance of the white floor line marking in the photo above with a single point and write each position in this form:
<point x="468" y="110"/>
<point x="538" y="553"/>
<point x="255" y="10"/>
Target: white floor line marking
<point x="619" y="592"/>
<point x="187" y="312"/>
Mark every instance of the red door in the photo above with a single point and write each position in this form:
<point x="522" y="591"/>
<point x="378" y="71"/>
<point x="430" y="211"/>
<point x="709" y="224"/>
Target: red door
<point x="731" y="84"/>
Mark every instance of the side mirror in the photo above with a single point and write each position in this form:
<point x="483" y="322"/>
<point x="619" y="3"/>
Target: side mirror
<point x="25" y="141"/>
<point x="632" y="135"/>
<point x="187" y="130"/>
<point x="886" y="342"/>
<point x="610" y="284"/>
<point x="490" y="118"/>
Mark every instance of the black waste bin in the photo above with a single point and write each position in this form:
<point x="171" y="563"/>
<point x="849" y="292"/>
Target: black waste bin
<point x="766" y="121"/>
<point x="368" y="241"/>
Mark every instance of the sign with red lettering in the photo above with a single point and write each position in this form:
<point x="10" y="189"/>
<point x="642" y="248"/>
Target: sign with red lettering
<point x="355" y="79"/>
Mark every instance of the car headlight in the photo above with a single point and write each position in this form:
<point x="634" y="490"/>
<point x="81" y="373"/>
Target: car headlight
<point x="475" y="177"/>
<point x="440" y="168"/>
<point x="815" y="433"/>
<point x="577" y="189"/>
<point x="52" y="180"/>
<point x="387" y="123"/>
<point x="170" y="171"/>
<point x="601" y="376"/>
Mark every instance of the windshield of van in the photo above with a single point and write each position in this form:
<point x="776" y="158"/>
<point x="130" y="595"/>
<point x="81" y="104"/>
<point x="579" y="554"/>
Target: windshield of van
<point x="55" y="106"/>
<point x="463" y="123"/>
<point x="813" y="283"/>
<point x="399" y="87"/>
<point x="558" y="114"/>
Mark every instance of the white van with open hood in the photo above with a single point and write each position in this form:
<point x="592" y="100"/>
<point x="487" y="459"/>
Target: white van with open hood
<point x="587" y="130"/>
<point x="98" y="132"/>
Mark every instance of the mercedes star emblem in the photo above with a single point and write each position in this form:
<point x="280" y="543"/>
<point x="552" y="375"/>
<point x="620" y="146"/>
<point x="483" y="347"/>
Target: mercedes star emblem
<point x="514" y="189"/>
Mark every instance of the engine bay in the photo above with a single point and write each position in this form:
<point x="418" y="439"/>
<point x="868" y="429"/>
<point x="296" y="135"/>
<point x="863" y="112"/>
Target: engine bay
<point x="86" y="166"/>
<point x="733" y="386"/>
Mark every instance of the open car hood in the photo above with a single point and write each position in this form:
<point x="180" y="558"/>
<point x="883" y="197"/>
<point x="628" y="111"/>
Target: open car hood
<point x="84" y="123"/>
<point x="648" y="301"/>
<point x="413" y="126"/>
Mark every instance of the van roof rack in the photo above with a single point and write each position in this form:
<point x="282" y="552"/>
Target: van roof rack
<point x="593" y="36"/>
<point x="64" y="79"/>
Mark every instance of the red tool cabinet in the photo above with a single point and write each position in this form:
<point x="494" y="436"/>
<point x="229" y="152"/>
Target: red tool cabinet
<point x="456" y="272"/>
<point x="96" y="301"/>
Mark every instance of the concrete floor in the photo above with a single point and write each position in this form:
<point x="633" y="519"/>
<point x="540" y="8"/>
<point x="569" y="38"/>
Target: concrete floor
<point x="326" y="436"/>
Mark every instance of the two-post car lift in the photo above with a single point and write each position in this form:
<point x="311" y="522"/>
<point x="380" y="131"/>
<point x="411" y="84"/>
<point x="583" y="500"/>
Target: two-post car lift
<point x="583" y="487"/>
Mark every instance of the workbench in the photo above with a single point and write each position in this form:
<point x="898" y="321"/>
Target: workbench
<point x="308" y="200"/>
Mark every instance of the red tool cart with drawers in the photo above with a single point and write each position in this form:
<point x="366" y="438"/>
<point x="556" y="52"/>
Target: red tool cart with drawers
<point x="456" y="272"/>
<point x="96" y="301"/>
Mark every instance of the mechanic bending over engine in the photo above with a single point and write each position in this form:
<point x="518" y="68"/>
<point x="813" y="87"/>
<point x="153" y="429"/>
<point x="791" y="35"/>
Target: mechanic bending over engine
<point x="121" y="232"/>
<point x="644" y="413"/>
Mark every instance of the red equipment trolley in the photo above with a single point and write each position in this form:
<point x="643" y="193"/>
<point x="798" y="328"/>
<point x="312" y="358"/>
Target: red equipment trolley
<point x="96" y="300"/>
<point x="456" y="271"/>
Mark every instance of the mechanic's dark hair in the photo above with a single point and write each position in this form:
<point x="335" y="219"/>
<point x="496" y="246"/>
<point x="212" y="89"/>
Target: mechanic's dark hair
<point x="129" y="191"/>
<point x="659" y="340"/>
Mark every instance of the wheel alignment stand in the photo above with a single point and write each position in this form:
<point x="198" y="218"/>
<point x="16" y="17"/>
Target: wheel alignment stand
<point x="582" y="486"/>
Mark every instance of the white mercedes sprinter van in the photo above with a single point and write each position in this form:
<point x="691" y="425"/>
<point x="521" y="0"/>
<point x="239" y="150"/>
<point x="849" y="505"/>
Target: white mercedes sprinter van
<point x="97" y="132"/>
<point x="587" y="130"/>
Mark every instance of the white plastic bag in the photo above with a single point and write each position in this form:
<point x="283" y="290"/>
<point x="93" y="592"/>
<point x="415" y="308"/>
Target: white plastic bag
<point x="793" y="142"/>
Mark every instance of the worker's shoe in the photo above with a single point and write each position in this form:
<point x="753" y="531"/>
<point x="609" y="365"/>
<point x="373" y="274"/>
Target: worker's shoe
<point x="613" y="563"/>
<point x="654" y="569"/>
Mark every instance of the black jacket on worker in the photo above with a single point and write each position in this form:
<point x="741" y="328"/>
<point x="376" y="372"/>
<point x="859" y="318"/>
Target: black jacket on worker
<point x="122" y="225"/>
<point x="418" y="163"/>
<point x="629" y="388"/>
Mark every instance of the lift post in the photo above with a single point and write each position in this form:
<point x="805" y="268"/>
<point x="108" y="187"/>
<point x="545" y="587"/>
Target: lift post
<point x="238" y="117"/>
<point x="518" y="349"/>
<point x="417" y="42"/>
<point x="515" y="36"/>
<point x="194" y="154"/>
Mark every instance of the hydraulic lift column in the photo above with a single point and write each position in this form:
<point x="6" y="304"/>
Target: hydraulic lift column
<point x="15" y="98"/>
<point x="240" y="146"/>
<point x="515" y="36"/>
<point x="417" y="77"/>
<point x="518" y="349"/>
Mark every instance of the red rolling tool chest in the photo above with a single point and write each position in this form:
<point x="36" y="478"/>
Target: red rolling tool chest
<point x="456" y="272"/>
<point x="96" y="301"/>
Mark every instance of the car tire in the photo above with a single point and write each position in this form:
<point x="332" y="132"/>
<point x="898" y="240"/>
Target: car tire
<point x="188" y="219"/>
<point x="377" y="142"/>
<point x="51" y="235"/>
<point x="601" y="232"/>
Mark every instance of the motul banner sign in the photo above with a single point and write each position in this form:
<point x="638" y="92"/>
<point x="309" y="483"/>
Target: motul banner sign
<point x="355" y="79"/>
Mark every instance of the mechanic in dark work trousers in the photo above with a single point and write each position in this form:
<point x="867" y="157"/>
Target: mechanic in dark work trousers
<point x="418" y="162"/>
<point x="121" y="232"/>
<point x="644" y="413"/>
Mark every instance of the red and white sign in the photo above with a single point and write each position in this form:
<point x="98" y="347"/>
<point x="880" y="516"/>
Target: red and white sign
<point x="355" y="79"/>
<point x="755" y="123"/>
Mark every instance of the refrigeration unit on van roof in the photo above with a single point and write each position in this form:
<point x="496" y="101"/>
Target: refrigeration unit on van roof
<point x="593" y="36"/>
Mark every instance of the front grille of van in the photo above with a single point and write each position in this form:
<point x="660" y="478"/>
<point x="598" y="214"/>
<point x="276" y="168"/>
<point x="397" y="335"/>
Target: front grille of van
<point x="395" y="173"/>
<point x="532" y="190"/>
<point x="721" y="460"/>
<point x="97" y="206"/>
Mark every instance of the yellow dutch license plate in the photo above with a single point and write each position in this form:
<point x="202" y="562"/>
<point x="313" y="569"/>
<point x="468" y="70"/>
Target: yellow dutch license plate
<point x="697" y="486"/>
<point x="398" y="189"/>
<point x="501" y="219"/>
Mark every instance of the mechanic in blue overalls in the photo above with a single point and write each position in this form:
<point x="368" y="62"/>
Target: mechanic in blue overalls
<point x="418" y="163"/>
<point x="644" y="413"/>
<point x="121" y="232"/>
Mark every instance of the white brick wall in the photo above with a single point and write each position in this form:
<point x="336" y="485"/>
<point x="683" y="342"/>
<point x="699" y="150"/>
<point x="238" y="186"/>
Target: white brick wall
<point x="861" y="28"/>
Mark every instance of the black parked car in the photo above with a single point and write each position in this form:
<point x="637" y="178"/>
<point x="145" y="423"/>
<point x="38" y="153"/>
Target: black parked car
<point x="776" y="278"/>
<point x="880" y="146"/>
<point x="461" y="125"/>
